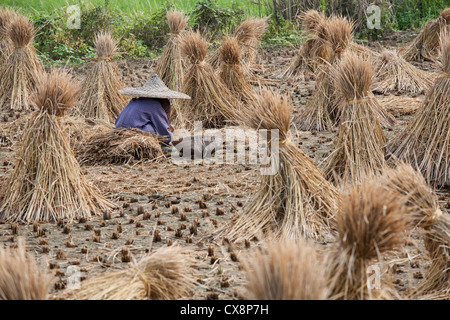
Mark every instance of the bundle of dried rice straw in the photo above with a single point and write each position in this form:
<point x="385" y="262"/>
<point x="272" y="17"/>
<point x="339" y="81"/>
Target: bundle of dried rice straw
<point x="6" y="46"/>
<point x="47" y="183"/>
<point x="370" y="223"/>
<point x="22" y="68"/>
<point x="321" y="111"/>
<point x="359" y="145"/>
<point x="250" y="51"/>
<point x="296" y="200"/>
<point x="248" y="34"/>
<point x="119" y="146"/>
<point x="425" y="141"/>
<point x="245" y="33"/>
<point x="161" y="275"/>
<point x="426" y="45"/>
<point x="311" y="55"/>
<point x="170" y="66"/>
<point x="286" y="270"/>
<point x="426" y="214"/>
<point x="20" y="277"/>
<point x="313" y="52"/>
<point x="100" y="97"/>
<point x="231" y="72"/>
<point x="396" y="75"/>
<point x="211" y="102"/>
<point x="311" y="20"/>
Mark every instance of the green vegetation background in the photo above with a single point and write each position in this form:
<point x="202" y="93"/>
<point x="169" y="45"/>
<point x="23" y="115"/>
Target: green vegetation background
<point x="141" y="25"/>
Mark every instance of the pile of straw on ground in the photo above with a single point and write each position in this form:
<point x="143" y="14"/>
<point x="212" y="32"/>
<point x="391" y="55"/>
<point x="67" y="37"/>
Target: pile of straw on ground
<point x="170" y="66"/>
<point x="231" y="72"/>
<point x="294" y="202"/>
<point x="22" y="68"/>
<point x="211" y="102"/>
<point x="426" y="45"/>
<point x="425" y="214"/>
<point x="120" y="146"/>
<point x="20" y="277"/>
<point x="400" y="105"/>
<point x="359" y="145"/>
<point x="6" y="46"/>
<point x="396" y="75"/>
<point x="47" y="183"/>
<point x="321" y="111"/>
<point x="12" y="132"/>
<point x="100" y="97"/>
<point x="370" y="223"/>
<point x="286" y="270"/>
<point x="424" y="142"/>
<point x="162" y="275"/>
<point x="79" y="130"/>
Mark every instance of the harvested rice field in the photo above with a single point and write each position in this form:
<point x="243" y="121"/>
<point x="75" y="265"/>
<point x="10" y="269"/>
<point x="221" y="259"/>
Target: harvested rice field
<point x="227" y="238"/>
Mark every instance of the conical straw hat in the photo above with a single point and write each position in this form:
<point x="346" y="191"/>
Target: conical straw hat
<point x="154" y="88"/>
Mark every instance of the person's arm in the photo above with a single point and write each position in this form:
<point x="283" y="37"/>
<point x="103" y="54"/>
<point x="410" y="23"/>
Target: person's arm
<point x="159" y="119"/>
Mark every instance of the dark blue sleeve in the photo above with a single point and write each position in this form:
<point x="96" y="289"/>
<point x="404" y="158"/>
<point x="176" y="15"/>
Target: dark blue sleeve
<point x="159" y="119"/>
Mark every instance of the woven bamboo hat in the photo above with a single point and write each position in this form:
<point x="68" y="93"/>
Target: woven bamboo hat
<point x="154" y="88"/>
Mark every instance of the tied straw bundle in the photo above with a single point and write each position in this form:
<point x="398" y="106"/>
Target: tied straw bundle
<point x="313" y="52"/>
<point x="162" y="275"/>
<point x="294" y="202"/>
<point x="321" y="111"/>
<point x="370" y="223"/>
<point x="21" y="69"/>
<point x="170" y="66"/>
<point x="100" y="98"/>
<point x="425" y="214"/>
<point x="425" y="141"/>
<point x="47" y="183"/>
<point x="231" y="72"/>
<point x="286" y="270"/>
<point x="250" y="51"/>
<point x="359" y="145"/>
<point x="426" y="45"/>
<point x="247" y="34"/>
<point x="20" y="277"/>
<point x="211" y="102"/>
<point x="6" y="46"/>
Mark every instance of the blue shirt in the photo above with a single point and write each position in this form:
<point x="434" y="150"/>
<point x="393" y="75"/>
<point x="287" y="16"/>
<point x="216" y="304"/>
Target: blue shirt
<point x="146" y="114"/>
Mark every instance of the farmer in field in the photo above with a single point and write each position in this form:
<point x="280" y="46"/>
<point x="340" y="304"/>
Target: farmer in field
<point x="149" y="110"/>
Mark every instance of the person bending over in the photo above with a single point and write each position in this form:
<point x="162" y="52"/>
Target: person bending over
<point x="149" y="108"/>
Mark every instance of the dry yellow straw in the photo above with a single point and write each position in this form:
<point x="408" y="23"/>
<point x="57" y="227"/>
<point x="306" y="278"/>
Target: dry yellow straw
<point x="47" y="183"/>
